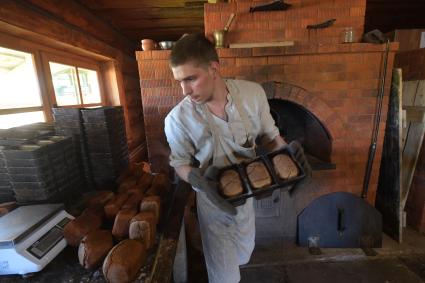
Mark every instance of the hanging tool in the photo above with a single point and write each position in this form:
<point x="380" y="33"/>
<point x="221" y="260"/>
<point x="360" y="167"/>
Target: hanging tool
<point x="372" y="148"/>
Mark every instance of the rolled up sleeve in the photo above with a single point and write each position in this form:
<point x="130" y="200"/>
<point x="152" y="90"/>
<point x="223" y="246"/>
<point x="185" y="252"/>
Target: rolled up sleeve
<point x="269" y="131"/>
<point x="182" y="149"/>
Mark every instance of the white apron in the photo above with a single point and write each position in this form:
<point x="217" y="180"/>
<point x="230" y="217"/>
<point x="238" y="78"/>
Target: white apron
<point x="227" y="241"/>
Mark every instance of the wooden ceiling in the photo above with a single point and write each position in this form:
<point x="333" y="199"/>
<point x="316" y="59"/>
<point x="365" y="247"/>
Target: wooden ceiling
<point x="156" y="19"/>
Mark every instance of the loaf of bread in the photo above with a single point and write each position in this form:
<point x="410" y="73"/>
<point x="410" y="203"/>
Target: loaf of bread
<point x="134" y="199"/>
<point x="7" y="207"/>
<point x="160" y="185"/>
<point x="91" y="219"/>
<point x="143" y="228"/>
<point x="94" y="247"/>
<point x="230" y="183"/>
<point x="124" y="261"/>
<point x="98" y="198"/>
<point x="145" y="181"/>
<point x="122" y="223"/>
<point x="127" y="184"/>
<point x="114" y="205"/>
<point x="284" y="166"/>
<point x="258" y="175"/>
<point x="151" y="203"/>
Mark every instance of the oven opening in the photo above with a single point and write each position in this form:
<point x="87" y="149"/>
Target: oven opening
<point x="295" y="122"/>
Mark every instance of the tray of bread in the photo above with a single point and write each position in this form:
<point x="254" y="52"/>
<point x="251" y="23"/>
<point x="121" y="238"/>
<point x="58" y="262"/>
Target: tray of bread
<point x="259" y="177"/>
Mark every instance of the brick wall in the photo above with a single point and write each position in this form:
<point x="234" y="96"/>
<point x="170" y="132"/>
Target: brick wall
<point x="340" y="83"/>
<point x="286" y="25"/>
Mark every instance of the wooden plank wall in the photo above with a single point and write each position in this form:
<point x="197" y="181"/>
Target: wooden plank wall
<point x="387" y="15"/>
<point x="71" y="26"/>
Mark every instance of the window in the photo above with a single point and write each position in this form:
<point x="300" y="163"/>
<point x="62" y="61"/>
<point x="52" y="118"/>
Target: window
<point x="75" y="85"/>
<point x="20" y="100"/>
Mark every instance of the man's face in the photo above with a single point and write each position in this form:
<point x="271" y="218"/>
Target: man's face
<point x="196" y="81"/>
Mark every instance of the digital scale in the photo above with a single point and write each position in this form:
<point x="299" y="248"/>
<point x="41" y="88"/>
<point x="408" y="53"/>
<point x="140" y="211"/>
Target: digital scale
<point x="30" y="237"/>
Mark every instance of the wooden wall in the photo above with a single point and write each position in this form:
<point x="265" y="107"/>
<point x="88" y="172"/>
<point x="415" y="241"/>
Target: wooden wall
<point x="69" y="26"/>
<point x="387" y="15"/>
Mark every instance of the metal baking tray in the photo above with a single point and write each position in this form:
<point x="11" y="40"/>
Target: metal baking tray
<point x="248" y="190"/>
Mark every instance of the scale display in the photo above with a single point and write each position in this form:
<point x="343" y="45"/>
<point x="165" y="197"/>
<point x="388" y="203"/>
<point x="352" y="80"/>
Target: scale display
<point x="48" y="240"/>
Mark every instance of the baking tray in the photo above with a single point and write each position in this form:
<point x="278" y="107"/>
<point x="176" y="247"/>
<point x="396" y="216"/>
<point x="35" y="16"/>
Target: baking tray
<point x="249" y="191"/>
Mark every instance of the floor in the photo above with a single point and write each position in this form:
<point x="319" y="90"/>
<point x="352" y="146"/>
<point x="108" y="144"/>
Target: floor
<point x="285" y="262"/>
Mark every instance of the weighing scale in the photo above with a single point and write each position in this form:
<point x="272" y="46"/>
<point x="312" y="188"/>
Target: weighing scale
<point x="30" y="237"/>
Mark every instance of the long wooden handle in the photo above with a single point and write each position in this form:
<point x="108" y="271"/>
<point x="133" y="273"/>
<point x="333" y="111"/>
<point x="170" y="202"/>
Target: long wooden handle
<point x="229" y="22"/>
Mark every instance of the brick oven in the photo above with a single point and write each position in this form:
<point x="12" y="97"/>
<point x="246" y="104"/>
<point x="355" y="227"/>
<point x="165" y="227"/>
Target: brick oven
<point x="333" y="83"/>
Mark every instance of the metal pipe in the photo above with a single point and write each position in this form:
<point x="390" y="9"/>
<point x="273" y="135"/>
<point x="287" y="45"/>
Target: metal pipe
<point x="372" y="148"/>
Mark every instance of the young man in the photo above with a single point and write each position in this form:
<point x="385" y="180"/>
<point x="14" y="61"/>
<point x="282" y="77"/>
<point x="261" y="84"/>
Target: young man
<point x="217" y="124"/>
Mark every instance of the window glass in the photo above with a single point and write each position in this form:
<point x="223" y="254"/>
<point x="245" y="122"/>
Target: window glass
<point x="19" y="119"/>
<point x="89" y="86"/>
<point x="65" y="84"/>
<point x="18" y="80"/>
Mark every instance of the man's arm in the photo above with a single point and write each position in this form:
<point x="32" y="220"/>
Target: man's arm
<point x="183" y="171"/>
<point x="277" y="143"/>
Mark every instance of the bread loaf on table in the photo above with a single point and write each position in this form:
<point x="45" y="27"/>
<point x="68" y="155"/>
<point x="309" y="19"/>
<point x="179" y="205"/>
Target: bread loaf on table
<point x="98" y="198"/>
<point x="145" y="181"/>
<point x="134" y="199"/>
<point x="284" y="166"/>
<point x="114" y="205"/>
<point x="230" y="183"/>
<point x="258" y="175"/>
<point x="160" y="185"/>
<point x="124" y="261"/>
<point x="94" y="247"/>
<point x="152" y="203"/>
<point x="143" y="228"/>
<point x="122" y="223"/>
<point x="91" y="219"/>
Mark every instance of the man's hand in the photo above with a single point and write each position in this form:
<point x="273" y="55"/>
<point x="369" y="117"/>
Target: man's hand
<point x="208" y="184"/>
<point x="297" y="151"/>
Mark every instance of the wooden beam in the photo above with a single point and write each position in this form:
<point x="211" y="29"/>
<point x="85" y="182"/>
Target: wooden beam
<point x="144" y="23"/>
<point x="128" y="4"/>
<point x="80" y="17"/>
<point x="151" y="13"/>
<point x="18" y="14"/>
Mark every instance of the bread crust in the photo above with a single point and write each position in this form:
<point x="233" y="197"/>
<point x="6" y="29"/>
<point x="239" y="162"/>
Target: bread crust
<point x="230" y="183"/>
<point x="258" y="175"/>
<point x="285" y="167"/>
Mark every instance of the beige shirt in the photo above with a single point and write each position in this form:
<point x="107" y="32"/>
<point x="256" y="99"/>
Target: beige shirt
<point x="190" y="138"/>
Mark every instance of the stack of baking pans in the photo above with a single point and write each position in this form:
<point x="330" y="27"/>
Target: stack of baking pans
<point x="14" y="137"/>
<point x="107" y="142"/>
<point x="42" y="170"/>
<point x="69" y="122"/>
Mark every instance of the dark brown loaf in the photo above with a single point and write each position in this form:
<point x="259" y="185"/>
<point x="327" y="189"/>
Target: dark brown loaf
<point x="160" y="185"/>
<point x="284" y="166"/>
<point x="143" y="228"/>
<point x="230" y="183"/>
<point x="94" y="247"/>
<point x="115" y="204"/>
<point x="124" y="261"/>
<point x="134" y="199"/>
<point x="99" y="198"/>
<point x="258" y="175"/>
<point x="91" y="219"/>
<point x="127" y="184"/>
<point x="151" y="203"/>
<point x="145" y="181"/>
<point x="122" y="223"/>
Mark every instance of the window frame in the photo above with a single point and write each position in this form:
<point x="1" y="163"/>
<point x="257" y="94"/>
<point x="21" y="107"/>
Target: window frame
<point x="74" y="62"/>
<point x="40" y="52"/>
